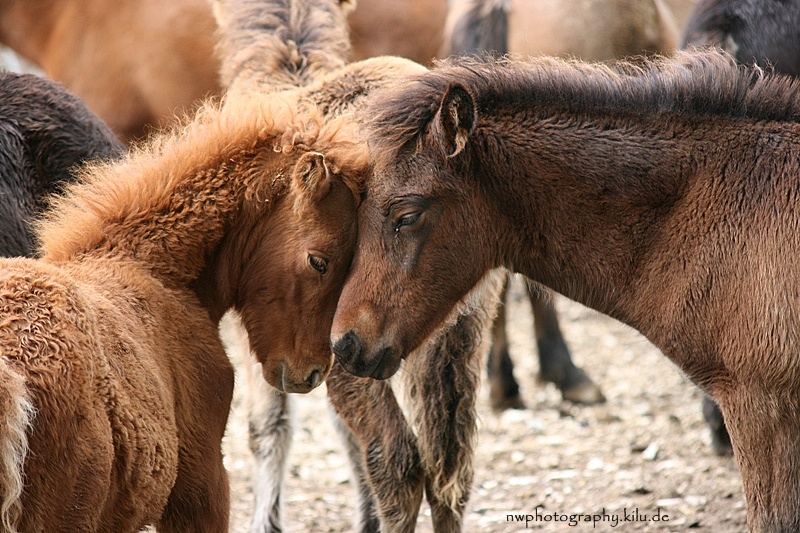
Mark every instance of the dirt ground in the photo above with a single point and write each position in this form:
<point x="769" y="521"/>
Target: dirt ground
<point x="645" y="452"/>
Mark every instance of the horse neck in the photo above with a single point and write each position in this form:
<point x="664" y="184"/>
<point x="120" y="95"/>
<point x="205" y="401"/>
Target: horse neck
<point x="592" y="209"/>
<point x="166" y="220"/>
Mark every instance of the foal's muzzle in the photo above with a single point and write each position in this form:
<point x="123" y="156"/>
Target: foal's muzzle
<point x="309" y="382"/>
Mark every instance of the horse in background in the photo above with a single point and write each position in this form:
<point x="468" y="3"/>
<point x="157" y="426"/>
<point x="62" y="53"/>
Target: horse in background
<point x="269" y="46"/>
<point x="755" y="32"/>
<point x="104" y="53"/>
<point x="594" y="30"/>
<point x="116" y="387"/>
<point x="139" y="65"/>
<point x="600" y="30"/>
<point x="661" y="193"/>
<point x="45" y="132"/>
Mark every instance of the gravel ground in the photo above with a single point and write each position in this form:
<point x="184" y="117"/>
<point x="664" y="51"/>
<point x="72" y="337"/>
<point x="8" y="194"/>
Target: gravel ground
<point x="645" y="451"/>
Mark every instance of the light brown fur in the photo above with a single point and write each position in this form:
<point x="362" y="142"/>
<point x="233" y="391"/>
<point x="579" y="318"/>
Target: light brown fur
<point x="114" y="329"/>
<point x="138" y="65"/>
<point x="591" y="30"/>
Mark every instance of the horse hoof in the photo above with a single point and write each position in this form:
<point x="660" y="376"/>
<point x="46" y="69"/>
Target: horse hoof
<point x="501" y="403"/>
<point x="586" y="393"/>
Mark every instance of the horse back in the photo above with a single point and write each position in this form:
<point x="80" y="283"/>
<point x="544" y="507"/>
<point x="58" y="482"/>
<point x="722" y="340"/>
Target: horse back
<point x="103" y="446"/>
<point x="58" y="130"/>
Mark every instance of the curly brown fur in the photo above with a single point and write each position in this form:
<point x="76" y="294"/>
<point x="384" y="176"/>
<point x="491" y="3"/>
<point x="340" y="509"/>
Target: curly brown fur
<point x="114" y="329"/>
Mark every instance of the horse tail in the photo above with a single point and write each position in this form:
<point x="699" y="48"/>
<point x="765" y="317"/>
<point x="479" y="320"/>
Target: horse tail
<point x="16" y="414"/>
<point x="480" y="26"/>
<point x="281" y="44"/>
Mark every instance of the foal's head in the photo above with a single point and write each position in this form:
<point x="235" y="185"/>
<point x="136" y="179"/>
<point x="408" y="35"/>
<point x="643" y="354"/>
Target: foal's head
<point x="423" y="233"/>
<point x="282" y="264"/>
<point x="297" y="261"/>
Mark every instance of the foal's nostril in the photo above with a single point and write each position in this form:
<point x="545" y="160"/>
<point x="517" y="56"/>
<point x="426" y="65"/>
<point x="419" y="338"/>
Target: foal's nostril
<point x="348" y="348"/>
<point x="314" y="379"/>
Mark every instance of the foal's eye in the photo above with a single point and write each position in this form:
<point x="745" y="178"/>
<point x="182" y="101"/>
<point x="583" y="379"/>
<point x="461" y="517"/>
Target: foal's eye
<point x="407" y="220"/>
<point x="317" y="263"/>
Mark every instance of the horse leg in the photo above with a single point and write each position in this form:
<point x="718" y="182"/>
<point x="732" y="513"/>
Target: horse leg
<point x="720" y="440"/>
<point x="503" y="388"/>
<point x="388" y="447"/>
<point x="200" y="498"/>
<point x="442" y="384"/>
<point x="555" y="361"/>
<point x="367" y="517"/>
<point x="270" y="437"/>
<point x="269" y="427"/>
<point x="764" y="429"/>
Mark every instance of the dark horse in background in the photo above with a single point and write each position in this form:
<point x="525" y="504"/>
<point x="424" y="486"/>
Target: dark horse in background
<point x="45" y="132"/>
<point x="760" y="32"/>
<point x="662" y="193"/>
<point x="756" y="32"/>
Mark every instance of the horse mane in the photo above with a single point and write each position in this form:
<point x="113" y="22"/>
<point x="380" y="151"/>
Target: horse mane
<point x="295" y="42"/>
<point x="223" y="138"/>
<point x="700" y="83"/>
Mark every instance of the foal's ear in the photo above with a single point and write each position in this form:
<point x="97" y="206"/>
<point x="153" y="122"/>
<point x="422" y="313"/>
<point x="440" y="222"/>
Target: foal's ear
<point x="312" y="177"/>
<point x="456" y="118"/>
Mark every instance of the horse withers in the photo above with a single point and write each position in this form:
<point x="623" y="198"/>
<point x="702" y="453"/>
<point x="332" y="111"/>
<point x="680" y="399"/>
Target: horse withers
<point x="662" y="194"/>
